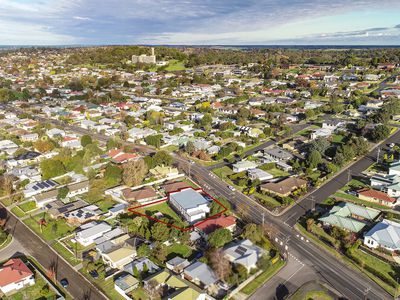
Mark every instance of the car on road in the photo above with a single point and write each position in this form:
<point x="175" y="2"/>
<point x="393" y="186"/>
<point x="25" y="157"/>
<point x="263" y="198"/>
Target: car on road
<point x="64" y="283"/>
<point x="231" y="188"/>
<point x="191" y="162"/>
<point x="391" y="145"/>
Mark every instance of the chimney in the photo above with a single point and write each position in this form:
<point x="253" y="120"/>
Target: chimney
<point x="152" y="51"/>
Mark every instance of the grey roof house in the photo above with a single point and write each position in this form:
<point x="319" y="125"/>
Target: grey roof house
<point x="385" y="234"/>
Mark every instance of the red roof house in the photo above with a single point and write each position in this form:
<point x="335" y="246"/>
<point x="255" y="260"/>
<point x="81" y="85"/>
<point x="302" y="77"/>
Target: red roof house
<point x="15" y="275"/>
<point x="376" y="196"/>
<point x="210" y="225"/>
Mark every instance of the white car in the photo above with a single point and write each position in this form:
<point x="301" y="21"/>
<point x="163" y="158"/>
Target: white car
<point x="232" y="188"/>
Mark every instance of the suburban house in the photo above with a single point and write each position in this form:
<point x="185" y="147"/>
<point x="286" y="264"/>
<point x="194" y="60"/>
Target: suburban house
<point x="164" y="172"/>
<point x="244" y="253"/>
<point x="349" y="216"/>
<point x="394" y="168"/>
<point x="118" y="156"/>
<point x="258" y="174"/>
<point x="117" y="258"/>
<point x="389" y="184"/>
<point x="83" y="214"/>
<point x="141" y="195"/>
<point x="385" y="234"/>
<point x="141" y="264"/>
<point x="277" y="154"/>
<point x="191" y="204"/>
<point x="200" y="274"/>
<point x="125" y="284"/>
<point x="39" y="187"/>
<point x="15" y="275"/>
<point x="91" y="231"/>
<point x="375" y="196"/>
<point x="284" y="187"/>
<point x="175" y="288"/>
<point x="210" y="225"/>
<point x="177" y="264"/>
<point x="243" y="165"/>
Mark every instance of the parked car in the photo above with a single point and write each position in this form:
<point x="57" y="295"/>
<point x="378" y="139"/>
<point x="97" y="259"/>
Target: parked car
<point x="232" y="188"/>
<point x="64" y="283"/>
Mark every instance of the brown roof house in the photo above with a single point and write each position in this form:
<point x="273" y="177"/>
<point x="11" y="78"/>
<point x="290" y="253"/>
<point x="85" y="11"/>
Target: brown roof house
<point x="141" y="195"/>
<point x="284" y="187"/>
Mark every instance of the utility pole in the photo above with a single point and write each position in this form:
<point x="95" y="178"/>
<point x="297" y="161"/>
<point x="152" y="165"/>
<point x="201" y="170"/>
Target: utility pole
<point x="263" y="218"/>
<point x="366" y="291"/>
<point x="312" y="203"/>
<point x="379" y="152"/>
<point x="348" y="175"/>
<point x="396" y="289"/>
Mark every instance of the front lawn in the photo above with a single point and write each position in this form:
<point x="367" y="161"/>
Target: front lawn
<point x="53" y="229"/>
<point x="17" y="211"/>
<point x="70" y="257"/>
<point x="34" y="292"/>
<point x="277" y="172"/>
<point x="28" y="206"/>
<point x="268" y="201"/>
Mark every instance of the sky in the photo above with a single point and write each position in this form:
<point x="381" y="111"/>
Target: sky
<point x="200" y="22"/>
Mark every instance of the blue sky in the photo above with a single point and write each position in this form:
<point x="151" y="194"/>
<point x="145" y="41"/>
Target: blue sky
<point x="327" y="22"/>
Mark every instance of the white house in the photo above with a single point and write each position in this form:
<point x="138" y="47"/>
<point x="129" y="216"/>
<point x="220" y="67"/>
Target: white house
<point x="91" y="231"/>
<point x="259" y="174"/>
<point x="192" y="205"/>
<point x="385" y="234"/>
<point x="243" y="165"/>
<point x="15" y="275"/>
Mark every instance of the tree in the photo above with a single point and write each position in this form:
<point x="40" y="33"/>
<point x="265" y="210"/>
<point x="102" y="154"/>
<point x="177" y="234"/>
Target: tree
<point x="219" y="264"/>
<point x="206" y="120"/>
<point x="154" y="289"/>
<point x="190" y="147"/>
<point x="112" y="144"/>
<point x="6" y="184"/>
<point x="134" y="172"/>
<point x="219" y="237"/>
<point x="160" y="252"/>
<point x="160" y="232"/>
<point x="51" y="168"/>
<point x="154" y="140"/>
<point x="162" y="158"/>
<point x="113" y="174"/>
<point x="320" y="145"/>
<point x="313" y="159"/>
<point x="62" y="192"/>
<point x="86" y="140"/>
<point x="43" y="146"/>
<point x="252" y="232"/>
<point x="379" y="133"/>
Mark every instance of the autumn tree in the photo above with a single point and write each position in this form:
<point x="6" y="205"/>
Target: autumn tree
<point x="6" y="184"/>
<point x="219" y="264"/>
<point x="134" y="172"/>
<point x="43" y="146"/>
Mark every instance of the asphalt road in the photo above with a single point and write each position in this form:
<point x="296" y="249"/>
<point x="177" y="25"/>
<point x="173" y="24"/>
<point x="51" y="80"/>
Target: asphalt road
<point x="79" y="286"/>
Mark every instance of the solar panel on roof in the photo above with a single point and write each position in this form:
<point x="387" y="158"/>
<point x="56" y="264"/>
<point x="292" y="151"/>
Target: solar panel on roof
<point x="35" y="188"/>
<point x="241" y="250"/>
<point x="45" y="184"/>
<point x="40" y="185"/>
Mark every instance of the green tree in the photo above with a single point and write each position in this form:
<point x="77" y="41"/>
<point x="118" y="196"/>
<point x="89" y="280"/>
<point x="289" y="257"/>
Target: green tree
<point x="134" y="172"/>
<point x="86" y="140"/>
<point x="253" y="232"/>
<point x="62" y="192"/>
<point x="219" y="237"/>
<point x="51" y="168"/>
<point x="313" y="159"/>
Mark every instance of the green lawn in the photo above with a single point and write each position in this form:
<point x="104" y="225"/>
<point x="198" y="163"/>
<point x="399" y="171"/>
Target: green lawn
<point x="50" y="231"/>
<point x="277" y="172"/>
<point x="105" y="204"/>
<point x="337" y="138"/>
<point x="17" y="211"/>
<point x="165" y="209"/>
<point x="263" y="277"/>
<point x="34" y="292"/>
<point x="354" y="184"/>
<point x="223" y="172"/>
<point x="179" y="250"/>
<point x="28" y="206"/>
<point x="268" y="201"/>
<point x="66" y="254"/>
<point x="175" y="65"/>
<point x="108" y="288"/>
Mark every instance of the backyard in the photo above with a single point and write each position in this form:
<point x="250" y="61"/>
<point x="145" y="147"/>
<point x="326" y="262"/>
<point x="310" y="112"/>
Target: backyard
<point x="51" y="229"/>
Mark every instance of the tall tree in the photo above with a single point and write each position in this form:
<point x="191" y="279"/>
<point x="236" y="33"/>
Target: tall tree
<point x="134" y="172"/>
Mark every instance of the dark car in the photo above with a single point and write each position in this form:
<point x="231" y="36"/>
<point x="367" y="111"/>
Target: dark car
<point x="94" y="274"/>
<point x="64" y="283"/>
